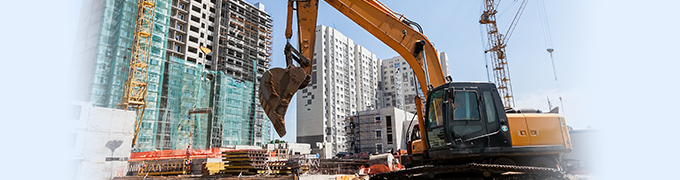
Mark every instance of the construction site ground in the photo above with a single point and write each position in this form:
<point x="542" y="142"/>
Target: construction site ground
<point x="304" y="177"/>
<point x="255" y="177"/>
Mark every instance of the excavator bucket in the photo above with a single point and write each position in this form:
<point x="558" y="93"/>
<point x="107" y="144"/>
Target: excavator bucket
<point x="277" y="87"/>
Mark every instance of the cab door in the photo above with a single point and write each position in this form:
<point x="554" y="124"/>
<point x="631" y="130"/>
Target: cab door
<point x="466" y="129"/>
<point x="435" y="119"/>
<point x="493" y="114"/>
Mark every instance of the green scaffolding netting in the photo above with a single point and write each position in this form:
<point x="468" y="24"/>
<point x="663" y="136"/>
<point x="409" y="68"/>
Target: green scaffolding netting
<point x="113" y="57"/>
<point x="233" y="108"/>
<point x="187" y="88"/>
<point x="175" y="87"/>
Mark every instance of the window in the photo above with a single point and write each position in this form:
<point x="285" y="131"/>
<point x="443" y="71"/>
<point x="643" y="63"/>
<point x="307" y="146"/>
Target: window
<point x="180" y="16"/>
<point x="465" y="106"/>
<point x="378" y="134"/>
<point x="435" y="110"/>
<point x="193" y="50"/>
<point x="178" y="48"/>
<point x="178" y="37"/>
<point x="489" y="106"/>
<point x="377" y="119"/>
<point x="379" y="147"/>
<point x="389" y="138"/>
<point x="435" y="120"/>
<point x="179" y="27"/>
<point x="181" y="6"/>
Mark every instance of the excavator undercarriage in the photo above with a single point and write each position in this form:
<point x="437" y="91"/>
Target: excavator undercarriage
<point x="473" y="171"/>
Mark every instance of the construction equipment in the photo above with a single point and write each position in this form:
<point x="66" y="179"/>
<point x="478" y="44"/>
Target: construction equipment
<point x="496" y="51"/>
<point x="134" y="96"/>
<point x="463" y="127"/>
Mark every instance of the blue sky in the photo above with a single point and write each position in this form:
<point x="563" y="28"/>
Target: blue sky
<point x="616" y="61"/>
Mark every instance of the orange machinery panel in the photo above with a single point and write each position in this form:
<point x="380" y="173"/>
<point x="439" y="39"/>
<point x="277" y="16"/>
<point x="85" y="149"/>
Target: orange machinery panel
<point x="538" y="129"/>
<point x="418" y="146"/>
<point x="545" y="129"/>
<point x="518" y="130"/>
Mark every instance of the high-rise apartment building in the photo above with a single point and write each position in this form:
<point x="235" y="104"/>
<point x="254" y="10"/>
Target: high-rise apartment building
<point x="182" y="77"/>
<point x="399" y="86"/>
<point x="344" y="77"/>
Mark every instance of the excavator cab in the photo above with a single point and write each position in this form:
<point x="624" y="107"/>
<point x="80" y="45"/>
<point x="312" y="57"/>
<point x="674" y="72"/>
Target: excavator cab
<point x="465" y="118"/>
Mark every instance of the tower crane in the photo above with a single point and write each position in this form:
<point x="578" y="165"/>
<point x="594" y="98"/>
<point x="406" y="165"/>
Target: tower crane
<point x="134" y="96"/>
<point x="496" y="48"/>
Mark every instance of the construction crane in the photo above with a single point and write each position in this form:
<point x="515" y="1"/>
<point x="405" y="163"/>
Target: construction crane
<point x="496" y="48"/>
<point x="134" y="96"/>
<point x="463" y="127"/>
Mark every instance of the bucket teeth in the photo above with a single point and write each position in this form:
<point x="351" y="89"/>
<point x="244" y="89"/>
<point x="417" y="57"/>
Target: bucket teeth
<point x="277" y="88"/>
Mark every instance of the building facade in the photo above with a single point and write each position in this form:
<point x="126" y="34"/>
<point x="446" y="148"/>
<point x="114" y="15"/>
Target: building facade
<point x="344" y="77"/>
<point x="379" y="130"/>
<point x="182" y="75"/>
<point x="399" y="85"/>
<point x="238" y="35"/>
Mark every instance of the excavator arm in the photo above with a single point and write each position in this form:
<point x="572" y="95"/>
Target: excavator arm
<point x="278" y="85"/>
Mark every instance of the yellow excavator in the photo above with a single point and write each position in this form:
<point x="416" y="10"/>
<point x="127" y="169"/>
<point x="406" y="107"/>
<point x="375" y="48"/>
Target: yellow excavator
<point x="462" y="128"/>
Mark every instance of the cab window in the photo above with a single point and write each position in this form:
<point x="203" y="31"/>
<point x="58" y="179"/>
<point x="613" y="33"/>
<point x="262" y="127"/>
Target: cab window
<point x="435" y="120"/>
<point x="435" y="111"/>
<point x="465" y="106"/>
<point x="490" y="108"/>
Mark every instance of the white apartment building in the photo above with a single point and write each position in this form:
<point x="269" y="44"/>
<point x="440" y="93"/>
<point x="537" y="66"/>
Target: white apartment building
<point x="399" y="86"/>
<point x="344" y="77"/>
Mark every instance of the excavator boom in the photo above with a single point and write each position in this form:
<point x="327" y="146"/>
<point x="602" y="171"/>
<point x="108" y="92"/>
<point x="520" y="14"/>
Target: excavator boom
<point x="466" y="122"/>
<point x="278" y="84"/>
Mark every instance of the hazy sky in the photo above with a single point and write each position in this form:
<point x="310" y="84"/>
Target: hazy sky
<point x="616" y="61"/>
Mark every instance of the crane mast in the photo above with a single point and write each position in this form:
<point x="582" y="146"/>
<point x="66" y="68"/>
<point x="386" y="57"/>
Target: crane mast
<point x="496" y="49"/>
<point x="134" y="96"/>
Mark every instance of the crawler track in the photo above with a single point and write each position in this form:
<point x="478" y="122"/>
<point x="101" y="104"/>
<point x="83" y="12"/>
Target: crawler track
<point x="474" y="171"/>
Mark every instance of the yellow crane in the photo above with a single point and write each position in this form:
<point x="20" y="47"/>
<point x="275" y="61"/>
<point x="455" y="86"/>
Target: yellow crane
<point x="134" y="96"/>
<point x="496" y="51"/>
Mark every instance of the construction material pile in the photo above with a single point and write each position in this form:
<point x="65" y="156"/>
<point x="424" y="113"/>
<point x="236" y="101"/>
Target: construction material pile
<point x="244" y="162"/>
<point x="275" y="167"/>
<point x="339" y="166"/>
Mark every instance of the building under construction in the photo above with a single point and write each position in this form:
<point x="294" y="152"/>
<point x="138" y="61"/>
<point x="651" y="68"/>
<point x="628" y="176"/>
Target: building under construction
<point x="183" y="78"/>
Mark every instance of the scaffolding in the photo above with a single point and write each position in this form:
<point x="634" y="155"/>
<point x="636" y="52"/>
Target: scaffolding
<point x="134" y="95"/>
<point x="232" y="108"/>
<point x="112" y="61"/>
<point x="244" y="53"/>
<point x="176" y="86"/>
<point x="187" y="88"/>
<point x="190" y="86"/>
<point x="366" y="124"/>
